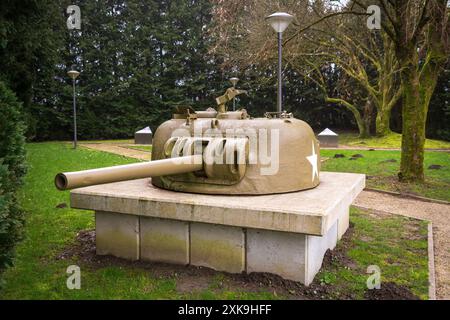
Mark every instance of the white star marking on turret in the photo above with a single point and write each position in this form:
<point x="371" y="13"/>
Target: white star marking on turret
<point x="313" y="160"/>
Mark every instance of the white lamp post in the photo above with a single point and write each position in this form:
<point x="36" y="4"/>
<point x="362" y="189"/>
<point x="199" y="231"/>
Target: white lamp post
<point x="234" y="81"/>
<point x="279" y="22"/>
<point x="74" y="74"/>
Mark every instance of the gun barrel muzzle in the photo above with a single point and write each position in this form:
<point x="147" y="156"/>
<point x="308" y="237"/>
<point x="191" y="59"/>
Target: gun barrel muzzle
<point x="170" y="166"/>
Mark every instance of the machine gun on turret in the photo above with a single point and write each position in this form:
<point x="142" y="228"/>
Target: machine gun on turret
<point x="229" y="95"/>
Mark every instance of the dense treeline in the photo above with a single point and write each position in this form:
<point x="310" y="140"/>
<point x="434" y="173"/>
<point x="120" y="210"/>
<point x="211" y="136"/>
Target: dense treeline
<point x="138" y="59"/>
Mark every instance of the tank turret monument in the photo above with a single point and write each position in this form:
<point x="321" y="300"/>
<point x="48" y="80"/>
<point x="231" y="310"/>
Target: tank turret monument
<point x="223" y="190"/>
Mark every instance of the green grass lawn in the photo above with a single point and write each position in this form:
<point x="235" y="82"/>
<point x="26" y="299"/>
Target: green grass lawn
<point x="397" y="245"/>
<point x="383" y="175"/>
<point x="39" y="273"/>
<point x="393" y="140"/>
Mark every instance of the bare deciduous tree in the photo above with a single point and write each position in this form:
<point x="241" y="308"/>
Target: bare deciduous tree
<point x="323" y="37"/>
<point x="419" y="31"/>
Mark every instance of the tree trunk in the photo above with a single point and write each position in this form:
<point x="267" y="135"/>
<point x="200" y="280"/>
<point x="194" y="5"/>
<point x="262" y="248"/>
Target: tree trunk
<point x="362" y="127"/>
<point x="367" y="117"/>
<point x="382" y="122"/>
<point x="417" y="91"/>
<point x="364" y="131"/>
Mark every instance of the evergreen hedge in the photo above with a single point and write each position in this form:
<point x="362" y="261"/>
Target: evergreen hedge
<point x="12" y="171"/>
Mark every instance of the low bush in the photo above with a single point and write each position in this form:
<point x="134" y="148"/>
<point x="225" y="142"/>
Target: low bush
<point x="12" y="171"/>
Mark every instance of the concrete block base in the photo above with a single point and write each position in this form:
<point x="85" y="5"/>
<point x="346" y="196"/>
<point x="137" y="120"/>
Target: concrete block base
<point x="315" y="251"/>
<point x="218" y="247"/>
<point x="277" y="252"/>
<point x="117" y="235"/>
<point x="164" y="240"/>
<point x="284" y="234"/>
<point x="293" y="256"/>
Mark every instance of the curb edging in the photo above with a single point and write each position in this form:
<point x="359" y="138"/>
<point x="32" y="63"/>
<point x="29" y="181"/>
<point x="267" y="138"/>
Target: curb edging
<point x="431" y="269"/>
<point x="408" y="196"/>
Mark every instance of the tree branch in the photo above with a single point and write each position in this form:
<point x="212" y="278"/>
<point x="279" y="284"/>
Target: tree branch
<point x="334" y="14"/>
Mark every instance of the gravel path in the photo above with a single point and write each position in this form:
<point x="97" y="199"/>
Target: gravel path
<point x="438" y="214"/>
<point x="345" y="147"/>
<point x="117" y="149"/>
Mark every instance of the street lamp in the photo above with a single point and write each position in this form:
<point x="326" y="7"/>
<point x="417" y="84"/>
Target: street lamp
<point x="234" y="81"/>
<point x="279" y="22"/>
<point x="74" y="74"/>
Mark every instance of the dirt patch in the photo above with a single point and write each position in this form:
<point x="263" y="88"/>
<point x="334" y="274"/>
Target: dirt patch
<point x="390" y="291"/>
<point x="61" y="205"/>
<point x="339" y="256"/>
<point x="194" y="283"/>
<point x="83" y="248"/>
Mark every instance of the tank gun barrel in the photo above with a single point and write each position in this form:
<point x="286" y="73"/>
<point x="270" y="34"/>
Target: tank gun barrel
<point x="170" y="166"/>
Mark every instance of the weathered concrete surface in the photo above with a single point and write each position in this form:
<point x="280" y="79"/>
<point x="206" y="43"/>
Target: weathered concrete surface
<point x="164" y="240"/>
<point x="343" y="218"/>
<point x="218" y="247"/>
<point x="311" y="212"/>
<point x="281" y="253"/>
<point x="117" y="234"/>
<point x="293" y="256"/>
<point x="315" y="249"/>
